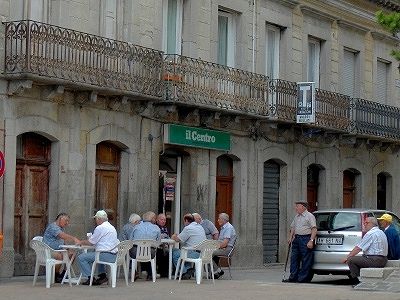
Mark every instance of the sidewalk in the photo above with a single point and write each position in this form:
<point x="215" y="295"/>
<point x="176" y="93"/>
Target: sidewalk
<point x="246" y="284"/>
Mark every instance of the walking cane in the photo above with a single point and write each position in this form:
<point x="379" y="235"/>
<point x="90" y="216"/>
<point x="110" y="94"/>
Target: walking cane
<point x="287" y="259"/>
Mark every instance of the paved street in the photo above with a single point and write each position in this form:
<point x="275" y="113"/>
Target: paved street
<point x="246" y="284"/>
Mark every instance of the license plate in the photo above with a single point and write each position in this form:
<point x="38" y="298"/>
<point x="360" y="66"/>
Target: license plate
<point x="322" y="240"/>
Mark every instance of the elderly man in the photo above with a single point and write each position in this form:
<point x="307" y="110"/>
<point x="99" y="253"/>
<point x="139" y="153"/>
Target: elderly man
<point x="146" y="230"/>
<point x="105" y="240"/>
<point x="191" y="235"/>
<point x="208" y="226"/>
<point x="134" y="219"/>
<point x="374" y="246"/>
<point x="302" y="233"/>
<point x="54" y="236"/>
<point x="227" y="237"/>
<point x="392" y="236"/>
<point x="162" y="251"/>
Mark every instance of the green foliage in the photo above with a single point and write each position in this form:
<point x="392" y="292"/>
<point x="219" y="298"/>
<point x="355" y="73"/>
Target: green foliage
<point x="391" y="22"/>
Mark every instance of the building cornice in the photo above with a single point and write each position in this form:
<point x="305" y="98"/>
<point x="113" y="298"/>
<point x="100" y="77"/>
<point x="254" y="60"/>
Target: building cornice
<point x="387" y="4"/>
<point x="384" y="36"/>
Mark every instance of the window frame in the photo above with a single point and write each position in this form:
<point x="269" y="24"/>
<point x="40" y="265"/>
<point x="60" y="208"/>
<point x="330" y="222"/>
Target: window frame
<point x="178" y="27"/>
<point x="231" y="38"/>
<point x="276" y="59"/>
<point x="317" y="58"/>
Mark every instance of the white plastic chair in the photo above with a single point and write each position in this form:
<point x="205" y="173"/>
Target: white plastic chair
<point x="123" y="248"/>
<point x="206" y="248"/>
<point x="38" y="238"/>
<point x="44" y="258"/>
<point x="143" y="254"/>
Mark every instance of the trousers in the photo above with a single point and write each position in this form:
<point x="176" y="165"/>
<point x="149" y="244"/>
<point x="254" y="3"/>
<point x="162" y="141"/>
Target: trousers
<point x="301" y="259"/>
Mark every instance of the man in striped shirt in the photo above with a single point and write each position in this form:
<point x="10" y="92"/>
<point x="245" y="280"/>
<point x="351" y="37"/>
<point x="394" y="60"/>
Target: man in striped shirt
<point x="374" y="246"/>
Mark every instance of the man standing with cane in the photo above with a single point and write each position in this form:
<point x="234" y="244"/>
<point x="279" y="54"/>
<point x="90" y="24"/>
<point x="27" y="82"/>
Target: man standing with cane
<point x="302" y="234"/>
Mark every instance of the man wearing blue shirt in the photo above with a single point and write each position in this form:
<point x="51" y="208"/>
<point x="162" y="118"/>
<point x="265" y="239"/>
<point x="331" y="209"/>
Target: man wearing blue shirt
<point x="146" y="230"/>
<point x="227" y="237"/>
<point x="191" y="235"/>
<point x="54" y="236"/>
<point x="392" y="236"/>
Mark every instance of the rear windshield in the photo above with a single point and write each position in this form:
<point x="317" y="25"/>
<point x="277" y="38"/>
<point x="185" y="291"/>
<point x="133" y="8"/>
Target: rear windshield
<point x="340" y="221"/>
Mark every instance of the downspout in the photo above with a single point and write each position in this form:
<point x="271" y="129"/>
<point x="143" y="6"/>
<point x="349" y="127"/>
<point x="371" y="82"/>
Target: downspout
<point x="253" y="64"/>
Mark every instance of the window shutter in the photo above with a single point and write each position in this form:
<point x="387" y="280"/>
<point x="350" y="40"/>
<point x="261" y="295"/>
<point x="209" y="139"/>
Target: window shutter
<point x="381" y="82"/>
<point x="348" y="73"/>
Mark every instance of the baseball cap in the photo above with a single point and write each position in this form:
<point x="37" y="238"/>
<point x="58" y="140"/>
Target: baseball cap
<point x="386" y="217"/>
<point x="101" y="214"/>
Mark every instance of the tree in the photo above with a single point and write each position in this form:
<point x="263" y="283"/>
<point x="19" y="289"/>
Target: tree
<point x="391" y="22"/>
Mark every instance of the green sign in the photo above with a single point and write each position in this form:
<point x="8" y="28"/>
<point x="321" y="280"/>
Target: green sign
<point x="196" y="137"/>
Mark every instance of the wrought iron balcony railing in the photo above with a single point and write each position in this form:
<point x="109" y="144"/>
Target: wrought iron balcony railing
<point x="196" y="82"/>
<point x="77" y="58"/>
<point x="58" y="55"/>
<point x="375" y="120"/>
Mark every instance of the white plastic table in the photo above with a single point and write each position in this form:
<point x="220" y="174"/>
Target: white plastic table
<point x="77" y="248"/>
<point x="171" y="244"/>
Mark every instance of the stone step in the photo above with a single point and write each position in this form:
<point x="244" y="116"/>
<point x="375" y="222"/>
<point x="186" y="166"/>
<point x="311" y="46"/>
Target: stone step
<point x="375" y="274"/>
<point x="393" y="263"/>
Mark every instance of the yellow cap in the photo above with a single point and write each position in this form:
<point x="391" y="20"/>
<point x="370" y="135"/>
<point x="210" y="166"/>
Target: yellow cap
<point x="386" y="217"/>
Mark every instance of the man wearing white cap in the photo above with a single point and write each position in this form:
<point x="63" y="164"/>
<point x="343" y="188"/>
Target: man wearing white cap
<point x="105" y="240"/>
<point x="392" y="236"/>
<point x="302" y="233"/>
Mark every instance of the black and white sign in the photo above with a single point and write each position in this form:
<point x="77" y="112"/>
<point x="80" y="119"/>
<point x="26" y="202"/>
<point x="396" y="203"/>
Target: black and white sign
<point x="305" y="102"/>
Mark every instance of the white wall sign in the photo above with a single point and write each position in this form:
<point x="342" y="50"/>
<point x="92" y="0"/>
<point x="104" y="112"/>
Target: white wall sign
<point x="305" y="102"/>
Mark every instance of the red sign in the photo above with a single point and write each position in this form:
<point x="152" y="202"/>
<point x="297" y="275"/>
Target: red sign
<point x="2" y="164"/>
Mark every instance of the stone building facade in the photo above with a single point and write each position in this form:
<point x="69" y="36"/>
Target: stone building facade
<point x="88" y="93"/>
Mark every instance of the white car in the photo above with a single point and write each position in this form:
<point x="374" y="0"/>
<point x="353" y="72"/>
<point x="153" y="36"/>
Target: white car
<point x="339" y="230"/>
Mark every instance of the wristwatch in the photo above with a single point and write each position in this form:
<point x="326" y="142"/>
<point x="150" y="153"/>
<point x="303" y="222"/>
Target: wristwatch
<point x="311" y="240"/>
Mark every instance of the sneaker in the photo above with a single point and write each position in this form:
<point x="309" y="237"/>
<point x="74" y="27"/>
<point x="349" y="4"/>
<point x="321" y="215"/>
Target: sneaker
<point x="100" y="280"/>
<point x="354" y="281"/>
<point x="59" y="277"/>
<point x="217" y="275"/>
<point x="87" y="282"/>
<point x="186" y="276"/>
<point x="191" y="271"/>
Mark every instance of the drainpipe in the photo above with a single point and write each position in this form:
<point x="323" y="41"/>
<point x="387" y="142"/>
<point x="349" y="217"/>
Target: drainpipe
<point x="253" y="64"/>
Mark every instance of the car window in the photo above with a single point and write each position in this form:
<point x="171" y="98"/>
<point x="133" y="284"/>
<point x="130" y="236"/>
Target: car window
<point x="343" y="221"/>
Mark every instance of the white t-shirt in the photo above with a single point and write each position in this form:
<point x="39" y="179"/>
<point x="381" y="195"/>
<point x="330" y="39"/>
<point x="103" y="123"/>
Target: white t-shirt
<point x="105" y="238"/>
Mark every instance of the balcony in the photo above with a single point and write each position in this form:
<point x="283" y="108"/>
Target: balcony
<point x="194" y="82"/>
<point x="54" y="55"/>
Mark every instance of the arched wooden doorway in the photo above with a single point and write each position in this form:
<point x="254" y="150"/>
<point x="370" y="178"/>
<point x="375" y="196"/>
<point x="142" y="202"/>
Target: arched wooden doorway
<point x="224" y="187"/>
<point x="349" y="188"/>
<point x="313" y="174"/>
<point x="108" y="157"/>
<point x="31" y="197"/>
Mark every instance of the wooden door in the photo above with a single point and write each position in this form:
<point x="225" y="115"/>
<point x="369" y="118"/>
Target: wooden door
<point x="107" y="180"/>
<point x="224" y="187"/>
<point x="31" y="197"/>
<point x="348" y="189"/>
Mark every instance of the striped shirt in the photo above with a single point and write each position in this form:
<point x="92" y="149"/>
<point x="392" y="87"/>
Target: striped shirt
<point x="374" y="242"/>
